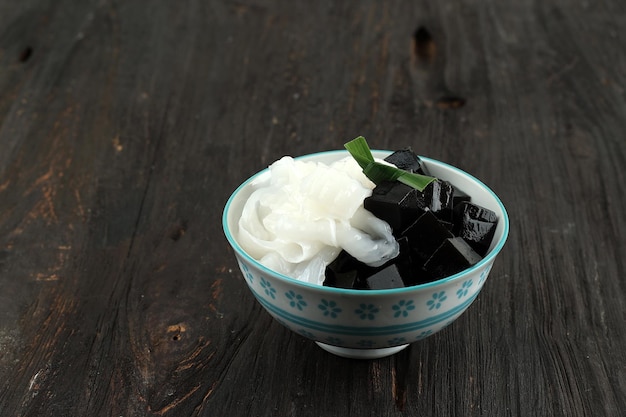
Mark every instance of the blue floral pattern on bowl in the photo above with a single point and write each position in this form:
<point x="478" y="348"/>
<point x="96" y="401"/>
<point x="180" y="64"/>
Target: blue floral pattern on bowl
<point x="330" y="308"/>
<point x="437" y="299"/>
<point x="424" y="334"/>
<point x="295" y="300"/>
<point x="464" y="290"/>
<point x="269" y="290"/>
<point x="367" y="311"/>
<point x="333" y="341"/>
<point x="396" y="341"/>
<point x="366" y="343"/>
<point x="402" y="308"/>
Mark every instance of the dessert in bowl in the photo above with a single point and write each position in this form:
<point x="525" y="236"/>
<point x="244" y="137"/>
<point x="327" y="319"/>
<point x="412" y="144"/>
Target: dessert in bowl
<point x="366" y="323"/>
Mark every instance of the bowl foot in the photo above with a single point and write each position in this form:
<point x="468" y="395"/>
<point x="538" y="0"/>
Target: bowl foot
<point x="361" y="353"/>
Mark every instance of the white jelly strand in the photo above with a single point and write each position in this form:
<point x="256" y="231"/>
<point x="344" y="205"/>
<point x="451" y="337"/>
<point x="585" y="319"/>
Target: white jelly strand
<point x="298" y="220"/>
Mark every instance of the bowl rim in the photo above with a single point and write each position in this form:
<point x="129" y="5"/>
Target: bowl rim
<point x="368" y="293"/>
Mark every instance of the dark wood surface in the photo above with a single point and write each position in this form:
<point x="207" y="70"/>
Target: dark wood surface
<point x="125" y="125"/>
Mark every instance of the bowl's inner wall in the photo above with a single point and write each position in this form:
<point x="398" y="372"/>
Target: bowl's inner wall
<point x="479" y="193"/>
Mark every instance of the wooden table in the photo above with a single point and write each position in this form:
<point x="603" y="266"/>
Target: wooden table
<point x="125" y="126"/>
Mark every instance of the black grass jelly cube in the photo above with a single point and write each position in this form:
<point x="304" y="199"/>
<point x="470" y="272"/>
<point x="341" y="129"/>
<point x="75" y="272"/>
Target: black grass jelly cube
<point x="437" y="196"/>
<point x="407" y="160"/>
<point x="386" y="278"/>
<point x="425" y="235"/>
<point x="396" y="203"/>
<point x="453" y="256"/>
<point x="476" y="225"/>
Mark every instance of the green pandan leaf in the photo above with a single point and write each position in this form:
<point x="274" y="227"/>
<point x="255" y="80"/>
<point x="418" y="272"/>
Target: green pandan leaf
<point x="378" y="172"/>
<point x="360" y="151"/>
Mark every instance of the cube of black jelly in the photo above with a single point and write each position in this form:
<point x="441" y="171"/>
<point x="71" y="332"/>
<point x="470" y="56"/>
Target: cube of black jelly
<point x="395" y="203"/>
<point x="341" y="272"/>
<point x="437" y="196"/>
<point x="404" y="262"/>
<point x="419" y="275"/>
<point x="459" y="196"/>
<point x="347" y="272"/>
<point x="425" y="235"/>
<point x="447" y="225"/>
<point x="407" y="160"/>
<point x="386" y="278"/>
<point x="410" y="272"/>
<point x="340" y="279"/>
<point x="453" y="256"/>
<point x="475" y="224"/>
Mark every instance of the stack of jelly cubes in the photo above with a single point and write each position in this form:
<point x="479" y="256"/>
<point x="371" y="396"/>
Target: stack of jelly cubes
<point x="439" y="230"/>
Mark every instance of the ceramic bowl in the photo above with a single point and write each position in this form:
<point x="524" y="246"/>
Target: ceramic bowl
<point x="367" y="324"/>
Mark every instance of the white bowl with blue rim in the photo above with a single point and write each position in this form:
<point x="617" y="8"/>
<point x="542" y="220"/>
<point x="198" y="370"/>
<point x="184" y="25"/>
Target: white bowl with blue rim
<point x="367" y="324"/>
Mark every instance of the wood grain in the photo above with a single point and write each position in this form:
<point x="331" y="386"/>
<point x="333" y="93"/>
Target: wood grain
<point x="124" y="127"/>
